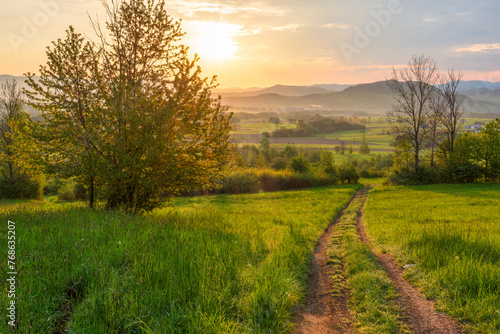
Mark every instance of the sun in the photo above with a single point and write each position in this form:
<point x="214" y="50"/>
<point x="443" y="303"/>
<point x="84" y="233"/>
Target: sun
<point x="213" y="41"/>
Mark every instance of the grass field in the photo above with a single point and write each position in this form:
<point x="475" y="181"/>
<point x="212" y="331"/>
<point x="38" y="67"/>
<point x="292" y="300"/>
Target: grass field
<point x="231" y="264"/>
<point x="378" y="134"/>
<point x="452" y="235"/>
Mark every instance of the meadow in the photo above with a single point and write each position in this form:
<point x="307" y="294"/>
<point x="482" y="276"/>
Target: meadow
<point x="232" y="264"/>
<point x="451" y="234"/>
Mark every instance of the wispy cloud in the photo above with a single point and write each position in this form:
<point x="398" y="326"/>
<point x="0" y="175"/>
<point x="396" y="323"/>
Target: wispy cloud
<point x="288" y="27"/>
<point x="336" y="25"/>
<point x="478" y="48"/>
<point x="197" y="9"/>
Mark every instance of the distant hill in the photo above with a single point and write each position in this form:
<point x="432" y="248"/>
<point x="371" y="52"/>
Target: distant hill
<point x="283" y="90"/>
<point x="19" y="80"/>
<point x="277" y="89"/>
<point x="374" y="98"/>
<point x="332" y="87"/>
<point x="478" y="85"/>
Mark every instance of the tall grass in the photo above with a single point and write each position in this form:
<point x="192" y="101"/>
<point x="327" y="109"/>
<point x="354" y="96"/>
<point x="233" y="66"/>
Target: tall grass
<point x="218" y="264"/>
<point x="452" y="234"/>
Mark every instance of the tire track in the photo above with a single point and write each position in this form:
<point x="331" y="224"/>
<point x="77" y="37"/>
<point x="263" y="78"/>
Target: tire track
<point x="418" y="313"/>
<point x="324" y="312"/>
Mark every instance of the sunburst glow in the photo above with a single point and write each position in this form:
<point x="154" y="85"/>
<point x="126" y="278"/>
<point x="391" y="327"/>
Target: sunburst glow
<point x="213" y="41"/>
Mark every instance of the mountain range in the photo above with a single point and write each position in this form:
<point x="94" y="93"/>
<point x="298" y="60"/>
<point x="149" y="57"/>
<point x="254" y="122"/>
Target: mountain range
<point x="369" y="98"/>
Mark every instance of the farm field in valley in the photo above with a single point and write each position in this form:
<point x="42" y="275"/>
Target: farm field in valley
<point x="217" y="264"/>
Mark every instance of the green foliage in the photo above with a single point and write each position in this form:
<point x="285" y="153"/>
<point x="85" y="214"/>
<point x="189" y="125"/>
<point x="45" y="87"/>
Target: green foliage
<point x="130" y="114"/>
<point x="213" y="264"/>
<point x="317" y="124"/>
<point x="299" y="164"/>
<point x="348" y="174"/>
<point x="241" y="182"/>
<point x="71" y="191"/>
<point x="19" y="175"/>
<point x="452" y="235"/>
<point x="52" y="186"/>
<point x="255" y="180"/>
<point x="290" y="152"/>
<point x="364" y="148"/>
<point x="24" y="187"/>
<point x="474" y="156"/>
<point x="327" y="163"/>
<point x="279" y="163"/>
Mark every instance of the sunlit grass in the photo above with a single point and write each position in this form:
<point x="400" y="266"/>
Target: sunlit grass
<point x="452" y="234"/>
<point x="218" y="264"/>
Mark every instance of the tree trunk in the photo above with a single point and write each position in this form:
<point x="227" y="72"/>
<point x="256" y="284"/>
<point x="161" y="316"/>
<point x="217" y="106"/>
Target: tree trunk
<point x="91" y="192"/>
<point x="11" y="173"/>
<point x="417" y="160"/>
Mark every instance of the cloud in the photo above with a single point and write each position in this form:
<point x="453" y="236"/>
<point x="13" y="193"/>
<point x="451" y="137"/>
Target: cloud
<point x="336" y="25"/>
<point x="288" y="27"/>
<point x="478" y="48"/>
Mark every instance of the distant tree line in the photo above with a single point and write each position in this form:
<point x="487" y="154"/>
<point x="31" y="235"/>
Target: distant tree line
<point x="316" y="125"/>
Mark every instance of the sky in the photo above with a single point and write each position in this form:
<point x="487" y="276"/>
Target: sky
<point x="260" y="43"/>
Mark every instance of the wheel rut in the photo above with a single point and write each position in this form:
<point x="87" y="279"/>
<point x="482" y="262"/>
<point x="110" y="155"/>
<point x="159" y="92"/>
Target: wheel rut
<point x="324" y="312"/>
<point x="417" y="311"/>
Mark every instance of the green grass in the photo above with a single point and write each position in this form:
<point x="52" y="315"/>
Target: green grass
<point x="371" y="292"/>
<point x="255" y="127"/>
<point x="218" y="264"/>
<point x="452" y="234"/>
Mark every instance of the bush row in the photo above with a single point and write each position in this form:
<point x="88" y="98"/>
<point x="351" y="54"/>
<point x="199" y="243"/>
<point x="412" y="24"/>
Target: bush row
<point x="255" y="180"/>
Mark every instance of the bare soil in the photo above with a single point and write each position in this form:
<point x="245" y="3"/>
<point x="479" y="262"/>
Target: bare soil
<point x="322" y="312"/>
<point x="418" y="313"/>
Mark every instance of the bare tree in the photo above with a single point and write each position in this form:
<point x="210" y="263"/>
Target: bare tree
<point x="414" y="90"/>
<point x="449" y="110"/>
<point x="11" y="105"/>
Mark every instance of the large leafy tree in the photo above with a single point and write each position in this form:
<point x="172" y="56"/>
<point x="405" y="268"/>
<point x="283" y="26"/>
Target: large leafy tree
<point x="487" y="149"/>
<point x="478" y="153"/>
<point x="130" y="111"/>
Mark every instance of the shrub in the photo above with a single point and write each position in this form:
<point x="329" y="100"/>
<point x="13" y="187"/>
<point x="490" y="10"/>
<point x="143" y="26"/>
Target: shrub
<point x="468" y="173"/>
<point x="299" y="164"/>
<point x="240" y="182"/>
<point x="255" y="180"/>
<point x="71" y="191"/>
<point x="25" y="187"/>
<point x="348" y="175"/>
<point x="279" y="163"/>
<point x="52" y="186"/>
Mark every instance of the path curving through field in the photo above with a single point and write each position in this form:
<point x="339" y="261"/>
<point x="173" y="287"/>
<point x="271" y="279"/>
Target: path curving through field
<point x="324" y="313"/>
